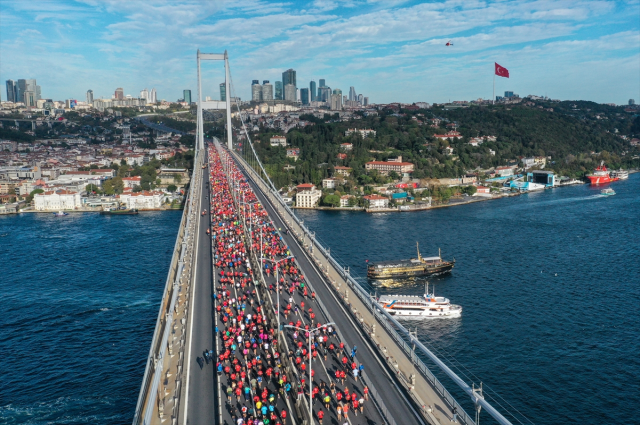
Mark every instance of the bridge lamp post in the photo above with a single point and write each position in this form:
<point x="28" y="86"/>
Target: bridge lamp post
<point x="310" y="332"/>
<point x="277" y="263"/>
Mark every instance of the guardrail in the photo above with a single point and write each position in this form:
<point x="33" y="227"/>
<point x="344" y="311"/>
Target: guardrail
<point x="389" y="323"/>
<point x="155" y="361"/>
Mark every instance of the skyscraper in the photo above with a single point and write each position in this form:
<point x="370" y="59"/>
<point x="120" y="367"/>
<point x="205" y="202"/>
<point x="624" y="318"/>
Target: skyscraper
<point x="90" y="97"/>
<point x="12" y="91"/>
<point x="186" y="94"/>
<point x="324" y="94"/>
<point x="119" y="93"/>
<point x="337" y="91"/>
<point x="304" y="96"/>
<point x="29" y="98"/>
<point x="267" y="91"/>
<point x="336" y="102"/>
<point x="289" y="77"/>
<point x="256" y="91"/>
<point x="312" y="86"/>
<point x="26" y="85"/>
<point x="144" y="94"/>
<point x="255" y="82"/>
<point x="223" y="92"/>
<point x="290" y="92"/>
<point x="360" y="98"/>
<point x="366" y="101"/>
<point x="153" y="96"/>
<point x="321" y="83"/>
<point x="352" y="93"/>
<point x="279" y="91"/>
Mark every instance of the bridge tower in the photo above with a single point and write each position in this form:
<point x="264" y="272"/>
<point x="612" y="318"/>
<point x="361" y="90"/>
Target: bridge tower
<point x="201" y="104"/>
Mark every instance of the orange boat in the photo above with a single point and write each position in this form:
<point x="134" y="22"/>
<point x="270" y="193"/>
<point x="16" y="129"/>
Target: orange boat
<point x="601" y="175"/>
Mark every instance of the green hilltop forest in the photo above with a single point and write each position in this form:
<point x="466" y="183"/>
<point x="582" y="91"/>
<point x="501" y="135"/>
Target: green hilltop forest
<point x="576" y="135"/>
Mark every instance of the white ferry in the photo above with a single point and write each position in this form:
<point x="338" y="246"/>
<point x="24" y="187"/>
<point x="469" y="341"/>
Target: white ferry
<point x="620" y="174"/>
<point x="427" y="305"/>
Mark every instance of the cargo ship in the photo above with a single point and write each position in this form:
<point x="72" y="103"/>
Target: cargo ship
<point x="601" y="175"/>
<point x="414" y="267"/>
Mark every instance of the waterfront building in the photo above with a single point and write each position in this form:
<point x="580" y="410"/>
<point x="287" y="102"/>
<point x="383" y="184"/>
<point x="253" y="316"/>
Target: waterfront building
<point x="344" y="200"/>
<point x="56" y="201"/>
<point x="119" y="93"/>
<point x="307" y="196"/>
<point x="267" y="91"/>
<point x="377" y="201"/>
<point x="223" y="92"/>
<point x="144" y="200"/>
<point x="131" y="182"/>
<point x="278" y="141"/>
<point x="290" y="92"/>
<point x="385" y="167"/>
<point x="279" y="91"/>
<point x="289" y="77"/>
<point x="312" y="91"/>
<point x="304" y="96"/>
<point x="12" y="92"/>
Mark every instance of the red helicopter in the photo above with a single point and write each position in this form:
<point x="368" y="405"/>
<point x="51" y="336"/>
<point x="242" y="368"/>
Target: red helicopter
<point x="449" y="43"/>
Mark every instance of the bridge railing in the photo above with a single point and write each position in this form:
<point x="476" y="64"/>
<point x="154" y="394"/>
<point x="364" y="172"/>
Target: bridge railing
<point x="155" y="361"/>
<point x="391" y="325"/>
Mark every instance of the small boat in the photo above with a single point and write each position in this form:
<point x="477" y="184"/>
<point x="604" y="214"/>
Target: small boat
<point x="427" y="305"/>
<point x="620" y="174"/>
<point x="608" y="192"/>
<point x="60" y="214"/>
<point x="115" y="211"/>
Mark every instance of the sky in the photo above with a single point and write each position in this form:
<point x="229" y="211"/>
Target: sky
<point x="389" y="50"/>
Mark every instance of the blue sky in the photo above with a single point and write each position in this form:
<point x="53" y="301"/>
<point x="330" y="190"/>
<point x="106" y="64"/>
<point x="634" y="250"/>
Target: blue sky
<point x="390" y="50"/>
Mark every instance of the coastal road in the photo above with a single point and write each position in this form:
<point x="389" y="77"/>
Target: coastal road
<point x="201" y="398"/>
<point x="391" y="392"/>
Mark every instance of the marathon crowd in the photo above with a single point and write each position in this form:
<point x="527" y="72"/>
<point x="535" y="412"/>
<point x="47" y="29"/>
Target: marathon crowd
<point x="249" y="361"/>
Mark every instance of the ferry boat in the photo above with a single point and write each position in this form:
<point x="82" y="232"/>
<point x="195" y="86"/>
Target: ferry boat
<point x="60" y="214"/>
<point x="620" y="174"/>
<point x="601" y="175"/>
<point x="115" y="211"/>
<point x="414" y="267"/>
<point x="427" y="305"/>
<point x="608" y="192"/>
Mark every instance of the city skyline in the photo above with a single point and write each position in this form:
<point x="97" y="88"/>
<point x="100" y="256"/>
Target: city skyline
<point x="72" y="46"/>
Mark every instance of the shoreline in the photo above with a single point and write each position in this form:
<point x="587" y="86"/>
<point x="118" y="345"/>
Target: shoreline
<point x="86" y="211"/>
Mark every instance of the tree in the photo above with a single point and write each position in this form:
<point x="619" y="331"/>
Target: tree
<point x="92" y="188"/>
<point x="177" y="178"/>
<point x="172" y="188"/>
<point x="113" y="186"/>
<point x="33" y="192"/>
<point x="470" y="190"/>
<point x="331" y="200"/>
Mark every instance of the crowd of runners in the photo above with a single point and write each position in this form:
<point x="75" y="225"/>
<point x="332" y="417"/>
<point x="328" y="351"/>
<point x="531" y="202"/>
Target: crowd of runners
<point x="250" y="363"/>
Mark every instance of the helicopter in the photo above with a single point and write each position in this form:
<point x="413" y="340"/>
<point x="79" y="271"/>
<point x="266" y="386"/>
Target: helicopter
<point x="449" y="43"/>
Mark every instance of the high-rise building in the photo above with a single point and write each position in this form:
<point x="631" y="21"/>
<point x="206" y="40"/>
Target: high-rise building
<point x="38" y="92"/>
<point x="631" y="101"/>
<point x="256" y="91"/>
<point x="267" y="91"/>
<point x="26" y="85"/>
<point x="279" y="91"/>
<point x="12" y="91"/>
<point x="186" y="95"/>
<point x="352" y="93"/>
<point x="290" y="92"/>
<point x="324" y="94"/>
<point x="508" y="94"/>
<point x="119" y="94"/>
<point x="90" y="97"/>
<point x="223" y="92"/>
<point x="29" y="98"/>
<point x="312" y="86"/>
<point x="336" y="102"/>
<point x="255" y="82"/>
<point x="289" y="77"/>
<point x="144" y="94"/>
<point x="304" y="96"/>
<point x="321" y="83"/>
<point x="360" y="98"/>
<point x="337" y="91"/>
<point x="153" y="96"/>
<point x="366" y="101"/>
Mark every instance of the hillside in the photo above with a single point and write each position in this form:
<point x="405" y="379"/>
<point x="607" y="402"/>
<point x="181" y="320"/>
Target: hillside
<point x="575" y="135"/>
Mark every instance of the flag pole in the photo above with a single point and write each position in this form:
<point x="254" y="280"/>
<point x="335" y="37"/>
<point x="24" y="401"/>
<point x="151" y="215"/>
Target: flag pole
<point x="493" y="99"/>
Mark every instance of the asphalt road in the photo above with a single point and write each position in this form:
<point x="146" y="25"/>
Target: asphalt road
<point x="201" y="397"/>
<point x="393" y="397"/>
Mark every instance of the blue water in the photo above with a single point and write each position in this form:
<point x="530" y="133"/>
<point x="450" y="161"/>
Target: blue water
<point x="80" y="296"/>
<point x="550" y="287"/>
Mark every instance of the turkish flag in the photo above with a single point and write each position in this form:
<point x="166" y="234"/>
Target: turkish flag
<point x="501" y="71"/>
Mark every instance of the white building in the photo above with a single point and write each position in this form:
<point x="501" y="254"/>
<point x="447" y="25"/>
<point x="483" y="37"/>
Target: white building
<point x="504" y="171"/>
<point x="329" y="183"/>
<point x="131" y="182"/>
<point x="363" y="132"/>
<point x="377" y="201"/>
<point x="56" y="201"/>
<point x="142" y="200"/>
<point x="278" y="141"/>
<point x="307" y="196"/>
